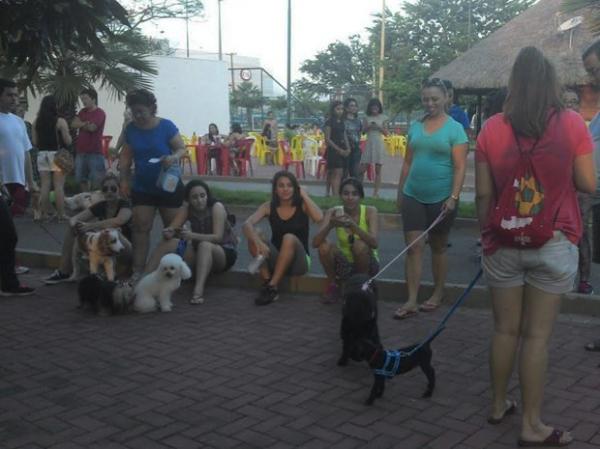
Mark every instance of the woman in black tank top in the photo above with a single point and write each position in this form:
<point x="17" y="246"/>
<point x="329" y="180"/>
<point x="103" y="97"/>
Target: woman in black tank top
<point x="288" y="213"/>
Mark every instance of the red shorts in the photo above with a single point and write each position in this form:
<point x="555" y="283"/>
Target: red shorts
<point x="20" y="199"/>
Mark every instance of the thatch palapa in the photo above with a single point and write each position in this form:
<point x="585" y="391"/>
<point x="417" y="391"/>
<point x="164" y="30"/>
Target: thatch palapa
<point x="488" y="63"/>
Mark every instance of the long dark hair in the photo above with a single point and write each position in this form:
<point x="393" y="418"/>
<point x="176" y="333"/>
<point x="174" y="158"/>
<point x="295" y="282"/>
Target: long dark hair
<point x="334" y="104"/>
<point x="533" y="90"/>
<point x="210" y="199"/>
<point x="296" y="197"/>
<point x="45" y="123"/>
<point x="374" y="102"/>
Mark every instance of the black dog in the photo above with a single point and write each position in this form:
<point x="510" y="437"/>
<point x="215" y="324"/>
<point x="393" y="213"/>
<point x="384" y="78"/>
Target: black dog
<point x="104" y="297"/>
<point x="359" y="317"/>
<point x="387" y="364"/>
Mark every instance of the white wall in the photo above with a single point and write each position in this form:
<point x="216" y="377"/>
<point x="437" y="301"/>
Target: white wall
<point x="190" y="92"/>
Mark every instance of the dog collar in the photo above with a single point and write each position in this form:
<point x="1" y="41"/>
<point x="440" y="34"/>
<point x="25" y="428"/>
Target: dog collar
<point x="390" y="365"/>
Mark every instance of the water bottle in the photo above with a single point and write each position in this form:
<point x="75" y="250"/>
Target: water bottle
<point x="169" y="178"/>
<point x="255" y="264"/>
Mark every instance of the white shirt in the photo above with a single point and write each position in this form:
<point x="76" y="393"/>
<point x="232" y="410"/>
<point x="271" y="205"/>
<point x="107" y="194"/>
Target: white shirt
<point x="14" y="143"/>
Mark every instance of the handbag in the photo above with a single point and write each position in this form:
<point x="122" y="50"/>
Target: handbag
<point x="63" y="158"/>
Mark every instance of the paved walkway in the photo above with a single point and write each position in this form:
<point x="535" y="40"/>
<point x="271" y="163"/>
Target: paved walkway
<point x="228" y="374"/>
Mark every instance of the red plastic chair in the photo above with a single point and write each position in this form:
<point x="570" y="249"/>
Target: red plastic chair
<point x="186" y="158"/>
<point x="370" y="169"/>
<point x="105" y="146"/>
<point x="243" y="159"/>
<point x="201" y="159"/>
<point x="284" y="146"/>
<point x="321" y="166"/>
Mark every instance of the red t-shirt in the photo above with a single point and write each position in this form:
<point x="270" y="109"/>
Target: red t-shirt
<point x="565" y="138"/>
<point x="91" y="142"/>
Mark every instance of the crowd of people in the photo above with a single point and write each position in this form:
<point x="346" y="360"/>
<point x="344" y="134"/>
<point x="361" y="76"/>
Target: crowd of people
<point x="533" y="155"/>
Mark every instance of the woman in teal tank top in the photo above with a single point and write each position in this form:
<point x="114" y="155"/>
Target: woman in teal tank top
<point x="356" y="227"/>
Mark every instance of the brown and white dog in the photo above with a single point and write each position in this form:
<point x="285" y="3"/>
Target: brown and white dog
<point x="83" y="200"/>
<point x="100" y="247"/>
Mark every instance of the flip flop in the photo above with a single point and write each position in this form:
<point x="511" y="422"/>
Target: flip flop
<point x="553" y="440"/>
<point x="404" y="313"/>
<point x="428" y="307"/>
<point x="509" y="411"/>
<point x="593" y="346"/>
<point x="197" y="299"/>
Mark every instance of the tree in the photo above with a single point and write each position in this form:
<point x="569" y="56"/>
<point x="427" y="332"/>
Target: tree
<point x="62" y="46"/>
<point x="592" y="18"/>
<point x="278" y="103"/>
<point x="143" y="11"/>
<point x="339" y="67"/>
<point x="246" y="95"/>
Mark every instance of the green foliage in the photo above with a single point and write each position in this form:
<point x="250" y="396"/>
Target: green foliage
<point x="246" y="95"/>
<point x="142" y="11"/>
<point x="278" y="103"/>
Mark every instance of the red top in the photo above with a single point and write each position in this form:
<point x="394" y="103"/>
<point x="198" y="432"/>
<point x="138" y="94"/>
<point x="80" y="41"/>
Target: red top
<point x="566" y="137"/>
<point x="91" y="142"/>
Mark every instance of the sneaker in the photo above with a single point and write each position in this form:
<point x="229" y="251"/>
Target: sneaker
<point x="56" y="277"/>
<point x="20" y="290"/>
<point x="585" y="288"/>
<point x="268" y="294"/>
<point x="20" y="269"/>
<point x="331" y="295"/>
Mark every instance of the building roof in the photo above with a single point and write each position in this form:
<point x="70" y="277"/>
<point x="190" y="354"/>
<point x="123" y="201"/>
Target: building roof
<point x="488" y="63"/>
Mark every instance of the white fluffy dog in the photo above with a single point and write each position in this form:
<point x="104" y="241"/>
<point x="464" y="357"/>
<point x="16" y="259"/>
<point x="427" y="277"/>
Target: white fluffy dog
<point x="155" y="289"/>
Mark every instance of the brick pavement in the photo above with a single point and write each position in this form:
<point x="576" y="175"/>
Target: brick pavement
<point x="230" y="375"/>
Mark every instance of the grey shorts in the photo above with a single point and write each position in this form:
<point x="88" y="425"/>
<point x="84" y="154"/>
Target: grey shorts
<point x="417" y="216"/>
<point x="551" y="268"/>
<point x="299" y="266"/>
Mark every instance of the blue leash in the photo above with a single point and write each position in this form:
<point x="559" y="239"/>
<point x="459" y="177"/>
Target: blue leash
<point x="392" y="358"/>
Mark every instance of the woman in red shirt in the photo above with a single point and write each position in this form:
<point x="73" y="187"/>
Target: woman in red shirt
<point x="526" y="284"/>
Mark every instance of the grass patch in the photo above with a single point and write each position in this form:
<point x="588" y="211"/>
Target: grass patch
<point x="254" y="199"/>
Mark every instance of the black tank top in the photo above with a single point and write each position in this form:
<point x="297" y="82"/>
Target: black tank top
<point x="297" y="225"/>
<point x="47" y="137"/>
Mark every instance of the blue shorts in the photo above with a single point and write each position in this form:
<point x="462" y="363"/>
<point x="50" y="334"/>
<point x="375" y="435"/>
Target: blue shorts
<point x="90" y="167"/>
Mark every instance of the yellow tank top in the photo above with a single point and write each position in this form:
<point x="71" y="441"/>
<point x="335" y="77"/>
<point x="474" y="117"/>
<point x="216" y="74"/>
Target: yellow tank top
<point x="343" y="234"/>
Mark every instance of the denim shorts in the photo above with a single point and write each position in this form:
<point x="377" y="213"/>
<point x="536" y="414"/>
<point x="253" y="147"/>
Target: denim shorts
<point x="551" y="268"/>
<point x="89" y="167"/>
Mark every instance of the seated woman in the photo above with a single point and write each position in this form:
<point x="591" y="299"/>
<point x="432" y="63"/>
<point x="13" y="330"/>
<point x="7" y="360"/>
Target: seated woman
<point x="232" y="141"/>
<point x="356" y="227"/>
<point x="213" y="246"/>
<point x="288" y="213"/>
<point x="213" y="141"/>
<point x="112" y="212"/>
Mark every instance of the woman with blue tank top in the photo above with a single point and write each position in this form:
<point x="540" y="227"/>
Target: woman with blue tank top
<point x="356" y="227"/>
<point x="288" y="212"/>
<point x="153" y="143"/>
<point x="431" y="180"/>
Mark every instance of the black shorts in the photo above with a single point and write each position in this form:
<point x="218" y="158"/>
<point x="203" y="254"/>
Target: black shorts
<point x="335" y="159"/>
<point x="166" y="200"/>
<point x="417" y="216"/>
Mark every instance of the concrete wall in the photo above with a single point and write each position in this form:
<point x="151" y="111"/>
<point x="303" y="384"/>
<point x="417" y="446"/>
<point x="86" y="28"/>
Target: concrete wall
<point x="190" y="92"/>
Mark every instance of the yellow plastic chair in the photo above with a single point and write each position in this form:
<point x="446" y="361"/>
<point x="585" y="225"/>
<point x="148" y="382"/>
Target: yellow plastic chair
<point x="296" y="149"/>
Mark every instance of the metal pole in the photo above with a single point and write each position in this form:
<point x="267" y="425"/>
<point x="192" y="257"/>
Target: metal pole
<point x="232" y="71"/>
<point x="187" y="32"/>
<point x="382" y="51"/>
<point x="289" y="63"/>
<point x="262" y="94"/>
<point x="220" y="42"/>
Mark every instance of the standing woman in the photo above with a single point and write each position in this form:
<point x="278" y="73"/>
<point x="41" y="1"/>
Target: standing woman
<point x="288" y="213"/>
<point x="431" y="179"/>
<point x="338" y="148"/>
<point x="50" y="133"/>
<point x="375" y="124"/>
<point x="148" y="138"/>
<point x="353" y="132"/>
<point x="526" y="284"/>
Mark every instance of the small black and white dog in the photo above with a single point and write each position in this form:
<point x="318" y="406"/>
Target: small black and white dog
<point x="359" y="317"/>
<point x="387" y="364"/>
<point x="105" y="297"/>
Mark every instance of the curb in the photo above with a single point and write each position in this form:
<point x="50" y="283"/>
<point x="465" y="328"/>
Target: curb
<point x="313" y="284"/>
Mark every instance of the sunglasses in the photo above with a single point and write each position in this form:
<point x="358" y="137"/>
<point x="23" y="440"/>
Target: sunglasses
<point x="112" y="189"/>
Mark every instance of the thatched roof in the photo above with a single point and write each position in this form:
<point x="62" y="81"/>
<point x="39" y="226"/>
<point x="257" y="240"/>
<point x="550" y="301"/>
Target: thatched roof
<point x="487" y="64"/>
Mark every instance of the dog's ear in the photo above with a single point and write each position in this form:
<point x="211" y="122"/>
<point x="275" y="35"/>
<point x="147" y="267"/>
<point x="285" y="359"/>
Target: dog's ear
<point x="184" y="270"/>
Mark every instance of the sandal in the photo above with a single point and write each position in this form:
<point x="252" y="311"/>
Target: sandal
<point x="429" y="306"/>
<point x="402" y="314"/>
<point x="197" y="299"/>
<point x="593" y="346"/>
<point x="511" y="409"/>
<point x="553" y="440"/>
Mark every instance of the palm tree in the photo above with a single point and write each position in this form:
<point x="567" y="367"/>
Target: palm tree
<point x="592" y="18"/>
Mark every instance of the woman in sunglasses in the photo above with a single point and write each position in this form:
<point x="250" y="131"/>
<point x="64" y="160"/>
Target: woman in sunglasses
<point x="112" y="212"/>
